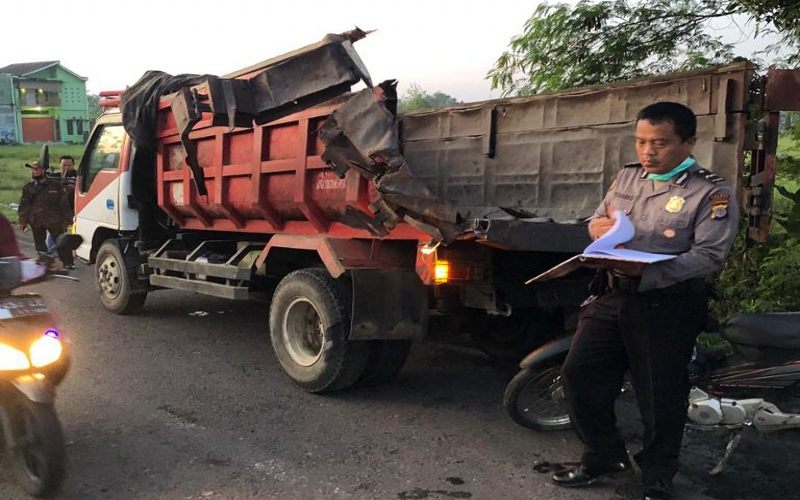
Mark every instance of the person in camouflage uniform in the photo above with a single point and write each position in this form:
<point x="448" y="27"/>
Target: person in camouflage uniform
<point x="44" y="207"/>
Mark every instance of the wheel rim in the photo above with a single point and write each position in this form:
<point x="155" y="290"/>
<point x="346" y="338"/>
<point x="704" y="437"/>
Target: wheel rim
<point x="303" y="332"/>
<point x="543" y="401"/>
<point x="109" y="276"/>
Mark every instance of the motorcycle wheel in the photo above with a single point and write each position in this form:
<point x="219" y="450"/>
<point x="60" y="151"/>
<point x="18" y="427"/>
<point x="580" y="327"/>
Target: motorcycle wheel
<point x="535" y="399"/>
<point x="37" y="455"/>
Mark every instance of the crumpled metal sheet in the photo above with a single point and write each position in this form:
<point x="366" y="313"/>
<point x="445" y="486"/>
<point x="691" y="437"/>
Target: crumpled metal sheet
<point x="279" y="87"/>
<point x="362" y="134"/>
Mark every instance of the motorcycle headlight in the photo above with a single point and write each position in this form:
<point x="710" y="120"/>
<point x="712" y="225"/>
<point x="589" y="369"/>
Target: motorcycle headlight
<point x="13" y="359"/>
<point x="46" y="349"/>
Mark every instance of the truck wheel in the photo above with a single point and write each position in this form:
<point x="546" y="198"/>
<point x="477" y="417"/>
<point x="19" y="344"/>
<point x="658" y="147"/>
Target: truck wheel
<point x="309" y="322"/>
<point x="117" y="291"/>
<point x="386" y="359"/>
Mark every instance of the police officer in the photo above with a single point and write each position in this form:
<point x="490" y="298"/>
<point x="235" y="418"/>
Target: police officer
<point x="648" y="318"/>
<point x="44" y="207"/>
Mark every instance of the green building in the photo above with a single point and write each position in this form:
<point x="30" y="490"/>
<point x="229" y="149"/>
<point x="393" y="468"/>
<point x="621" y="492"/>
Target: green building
<point x="42" y="102"/>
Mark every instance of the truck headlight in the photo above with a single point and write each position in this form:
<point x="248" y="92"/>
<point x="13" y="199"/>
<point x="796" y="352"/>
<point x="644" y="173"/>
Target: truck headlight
<point x="13" y="359"/>
<point x="46" y="349"/>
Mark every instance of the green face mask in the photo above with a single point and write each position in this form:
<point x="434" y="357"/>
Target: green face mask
<point x="688" y="162"/>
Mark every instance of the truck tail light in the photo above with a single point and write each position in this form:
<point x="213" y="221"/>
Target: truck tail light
<point x="441" y="272"/>
<point x="451" y="272"/>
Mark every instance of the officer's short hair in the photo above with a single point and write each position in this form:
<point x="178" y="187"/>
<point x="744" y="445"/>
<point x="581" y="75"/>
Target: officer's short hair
<point x="682" y="118"/>
<point x="67" y="157"/>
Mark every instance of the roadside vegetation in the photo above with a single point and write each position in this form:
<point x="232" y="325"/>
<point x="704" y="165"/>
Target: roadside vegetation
<point x="600" y="41"/>
<point x="14" y="175"/>
<point x="763" y="278"/>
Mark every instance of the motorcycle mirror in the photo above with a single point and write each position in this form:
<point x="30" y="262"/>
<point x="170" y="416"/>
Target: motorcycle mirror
<point x="69" y="241"/>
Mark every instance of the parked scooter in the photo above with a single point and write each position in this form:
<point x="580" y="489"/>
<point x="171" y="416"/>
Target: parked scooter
<point x="34" y="358"/>
<point x="766" y="359"/>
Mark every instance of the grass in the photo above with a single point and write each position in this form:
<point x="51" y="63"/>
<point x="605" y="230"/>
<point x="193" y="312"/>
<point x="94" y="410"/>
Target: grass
<point x="14" y="175"/>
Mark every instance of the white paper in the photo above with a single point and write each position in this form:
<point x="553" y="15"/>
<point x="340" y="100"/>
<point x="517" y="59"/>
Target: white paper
<point x="604" y="249"/>
<point x="621" y="232"/>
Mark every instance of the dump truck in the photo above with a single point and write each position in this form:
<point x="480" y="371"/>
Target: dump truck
<point x="360" y="226"/>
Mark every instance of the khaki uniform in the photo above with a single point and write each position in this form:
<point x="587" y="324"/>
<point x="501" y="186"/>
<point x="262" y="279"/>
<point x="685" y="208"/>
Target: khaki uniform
<point x="648" y="326"/>
<point x="694" y="216"/>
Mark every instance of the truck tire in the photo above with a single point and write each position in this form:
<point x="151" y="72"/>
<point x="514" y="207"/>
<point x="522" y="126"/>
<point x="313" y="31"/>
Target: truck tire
<point x="386" y="359"/>
<point x="309" y="322"/>
<point x="117" y="291"/>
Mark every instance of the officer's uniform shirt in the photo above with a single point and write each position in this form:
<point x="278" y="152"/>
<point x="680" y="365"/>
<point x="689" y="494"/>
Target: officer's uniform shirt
<point x="694" y="215"/>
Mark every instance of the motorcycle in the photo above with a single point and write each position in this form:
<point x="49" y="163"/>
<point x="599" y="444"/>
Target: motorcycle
<point x="765" y="359"/>
<point x="34" y="358"/>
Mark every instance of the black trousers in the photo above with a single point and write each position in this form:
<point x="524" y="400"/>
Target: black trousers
<point x="40" y="241"/>
<point x="652" y="334"/>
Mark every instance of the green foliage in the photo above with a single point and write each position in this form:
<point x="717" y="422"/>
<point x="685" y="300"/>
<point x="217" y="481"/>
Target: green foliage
<point x="763" y="278"/>
<point x="93" y="101"/>
<point x="603" y="41"/>
<point x="417" y="98"/>
<point x="14" y="175"/>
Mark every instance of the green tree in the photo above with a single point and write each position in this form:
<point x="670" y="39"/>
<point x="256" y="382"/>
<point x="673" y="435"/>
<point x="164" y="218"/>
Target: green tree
<point x="94" y="106"/>
<point x="417" y="98"/>
<point x="608" y="40"/>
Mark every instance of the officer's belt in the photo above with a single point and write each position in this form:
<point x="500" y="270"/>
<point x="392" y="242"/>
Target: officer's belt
<point x="630" y="284"/>
<point x="623" y="283"/>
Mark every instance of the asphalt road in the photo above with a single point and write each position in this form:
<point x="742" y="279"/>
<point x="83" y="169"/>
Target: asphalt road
<point x="186" y="400"/>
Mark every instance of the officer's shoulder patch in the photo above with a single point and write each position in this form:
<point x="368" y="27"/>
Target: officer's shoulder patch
<point x="719" y="204"/>
<point x="708" y="176"/>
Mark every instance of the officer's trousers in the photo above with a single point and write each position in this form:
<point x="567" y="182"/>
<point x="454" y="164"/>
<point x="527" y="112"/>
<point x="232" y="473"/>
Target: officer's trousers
<point x="652" y="334"/>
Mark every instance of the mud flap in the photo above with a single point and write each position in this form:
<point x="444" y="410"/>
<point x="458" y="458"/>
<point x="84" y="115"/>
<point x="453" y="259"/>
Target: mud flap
<point x="388" y="304"/>
<point x="550" y="350"/>
<point x="38" y="391"/>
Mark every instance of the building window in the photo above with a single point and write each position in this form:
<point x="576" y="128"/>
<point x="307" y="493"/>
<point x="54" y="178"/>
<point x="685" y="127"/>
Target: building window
<point x="79" y="126"/>
<point x="69" y="127"/>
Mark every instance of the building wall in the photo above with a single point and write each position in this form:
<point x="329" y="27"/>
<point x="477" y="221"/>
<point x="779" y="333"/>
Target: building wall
<point x="74" y="115"/>
<point x="8" y="116"/>
<point x="62" y="97"/>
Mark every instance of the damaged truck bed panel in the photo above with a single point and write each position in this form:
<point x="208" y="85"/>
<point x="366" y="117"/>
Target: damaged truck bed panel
<point x="441" y="174"/>
<point x="554" y="155"/>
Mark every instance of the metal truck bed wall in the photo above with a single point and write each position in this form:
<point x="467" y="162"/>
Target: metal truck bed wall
<point x="551" y="155"/>
<point x="555" y="155"/>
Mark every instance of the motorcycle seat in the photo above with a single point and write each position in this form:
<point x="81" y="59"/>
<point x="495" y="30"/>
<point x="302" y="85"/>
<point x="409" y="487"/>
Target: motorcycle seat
<point x="776" y="330"/>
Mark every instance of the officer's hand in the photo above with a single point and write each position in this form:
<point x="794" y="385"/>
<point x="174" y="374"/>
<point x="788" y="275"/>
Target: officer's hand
<point x="628" y="268"/>
<point x="599" y="226"/>
<point x="23" y="227"/>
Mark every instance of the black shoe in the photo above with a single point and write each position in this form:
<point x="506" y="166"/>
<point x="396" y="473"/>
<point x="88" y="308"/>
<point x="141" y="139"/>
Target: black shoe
<point x="658" y="490"/>
<point x="584" y="476"/>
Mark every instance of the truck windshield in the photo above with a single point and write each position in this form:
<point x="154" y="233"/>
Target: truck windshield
<point x="102" y="154"/>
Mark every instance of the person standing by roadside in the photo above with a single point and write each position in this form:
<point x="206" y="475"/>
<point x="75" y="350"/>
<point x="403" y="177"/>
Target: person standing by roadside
<point x="648" y="317"/>
<point x="68" y="177"/>
<point x="44" y="207"/>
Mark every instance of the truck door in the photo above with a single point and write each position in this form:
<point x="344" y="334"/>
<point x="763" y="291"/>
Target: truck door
<point x="97" y="200"/>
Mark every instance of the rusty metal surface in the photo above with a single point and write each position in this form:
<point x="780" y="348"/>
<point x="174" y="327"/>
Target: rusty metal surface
<point x="783" y="90"/>
<point x="362" y="135"/>
<point x="555" y="155"/>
